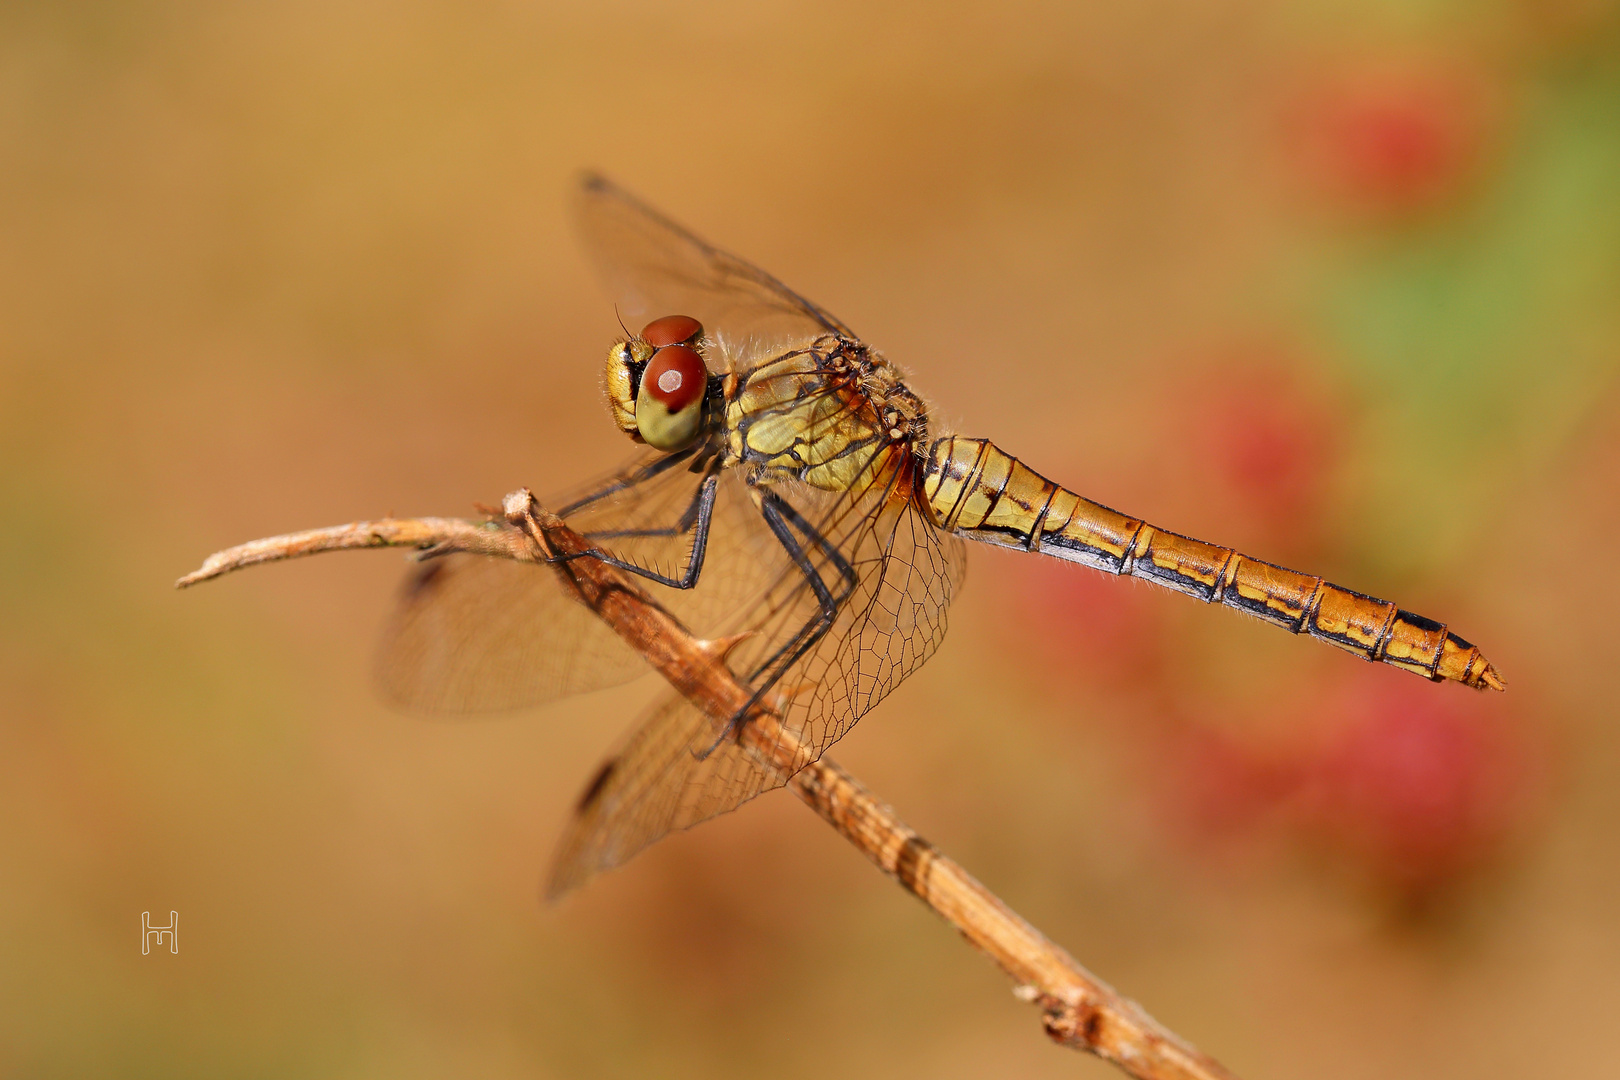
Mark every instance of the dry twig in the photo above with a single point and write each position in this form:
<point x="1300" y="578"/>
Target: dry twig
<point x="1078" y="1009"/>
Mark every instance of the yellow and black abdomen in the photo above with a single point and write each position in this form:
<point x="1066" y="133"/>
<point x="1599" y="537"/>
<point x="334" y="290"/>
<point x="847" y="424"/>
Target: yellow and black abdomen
<point x="976" y="490"/>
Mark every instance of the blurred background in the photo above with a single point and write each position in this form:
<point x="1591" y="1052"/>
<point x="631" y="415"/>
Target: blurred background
<point x="1333" y="282"/>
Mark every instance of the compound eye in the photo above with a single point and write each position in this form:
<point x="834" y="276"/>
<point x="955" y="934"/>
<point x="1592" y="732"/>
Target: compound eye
<point x="671" y="330"/>
<point x="669" y="405"/>
<point x="625" y="362"/>
<point x="675" y="377"/>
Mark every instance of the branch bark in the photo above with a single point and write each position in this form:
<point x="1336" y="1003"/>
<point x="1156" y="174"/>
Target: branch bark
<point x="1078" y="1009"/>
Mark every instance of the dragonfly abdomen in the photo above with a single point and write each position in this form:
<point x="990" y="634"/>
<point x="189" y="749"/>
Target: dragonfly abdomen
<point x="975" y="489"/>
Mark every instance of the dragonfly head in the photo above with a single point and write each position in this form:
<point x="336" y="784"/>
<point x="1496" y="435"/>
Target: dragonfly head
<point x="657" y="382"/>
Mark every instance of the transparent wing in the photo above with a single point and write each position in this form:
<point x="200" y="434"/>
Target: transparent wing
<point x="654" y="267"/>
<point x="476" y="634"/>
<point x="672" y="774"/>
<point x="654" y="785"/>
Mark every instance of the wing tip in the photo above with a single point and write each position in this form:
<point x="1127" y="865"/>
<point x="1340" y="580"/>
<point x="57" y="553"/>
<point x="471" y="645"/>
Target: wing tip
<point x="573" y="865"/>
<point x="556" y="886"/>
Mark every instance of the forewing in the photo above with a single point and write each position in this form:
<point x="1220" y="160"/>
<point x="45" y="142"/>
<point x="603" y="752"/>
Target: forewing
<point x="477" y="634"/>
<point x="654" y="267"/>
<point x="676" y="771"/>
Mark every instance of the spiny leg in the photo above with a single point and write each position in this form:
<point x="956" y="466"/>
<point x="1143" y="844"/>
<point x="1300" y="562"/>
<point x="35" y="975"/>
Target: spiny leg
<point x="622" y="483"/>
<point x="682" y="525"/>
<point x="782" y="519"/>
<point x="697" y="517"/>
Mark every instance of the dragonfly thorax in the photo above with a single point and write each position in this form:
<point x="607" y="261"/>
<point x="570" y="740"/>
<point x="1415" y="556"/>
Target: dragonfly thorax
<point x="833" y="414"/>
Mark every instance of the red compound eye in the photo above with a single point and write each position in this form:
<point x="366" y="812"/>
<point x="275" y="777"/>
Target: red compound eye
<point x="671" y="330"/>
<point x="675" y="376"/>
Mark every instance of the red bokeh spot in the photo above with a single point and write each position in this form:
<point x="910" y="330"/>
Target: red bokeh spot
<point x="1220" y="787"/>
<point x="1414" y="788"/>
<point x="1420" y="784"/>
<point x="1086" y="624"/>
<point x="1270" y="442"/>
<point x="1393" y="140"/>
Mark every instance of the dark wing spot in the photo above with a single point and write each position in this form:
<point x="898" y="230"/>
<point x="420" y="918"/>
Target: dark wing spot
<point x="419" y="585"/>
<point x="598" y="782"/>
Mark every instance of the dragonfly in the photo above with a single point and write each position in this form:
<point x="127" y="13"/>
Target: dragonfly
<point x="791" y="496"/>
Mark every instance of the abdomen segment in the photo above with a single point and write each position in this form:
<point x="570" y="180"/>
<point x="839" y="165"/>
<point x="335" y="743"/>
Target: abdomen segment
<point x="976" y="490"/>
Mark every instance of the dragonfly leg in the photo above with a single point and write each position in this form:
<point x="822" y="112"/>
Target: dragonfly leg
<point x="695" y="518"/>
<point x="812" y="534"/>
<point x="682" y="525"/>
<point x="629" y="480"/>
<point x="782" y="518"/>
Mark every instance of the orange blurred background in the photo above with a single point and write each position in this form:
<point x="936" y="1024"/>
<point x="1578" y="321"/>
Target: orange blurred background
<point x="1334" y="283"/>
